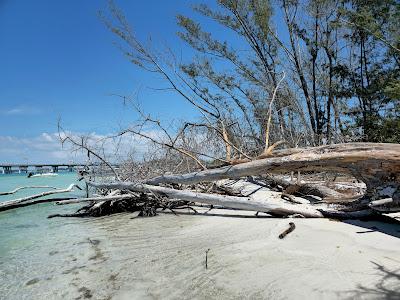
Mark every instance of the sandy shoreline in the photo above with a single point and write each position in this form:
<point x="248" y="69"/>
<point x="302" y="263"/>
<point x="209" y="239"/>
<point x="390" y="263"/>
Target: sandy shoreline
<point x="164" y="258"/>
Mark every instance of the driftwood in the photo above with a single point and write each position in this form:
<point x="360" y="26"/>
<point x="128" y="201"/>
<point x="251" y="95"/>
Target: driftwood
<point x="287" y="231"/>
<point x="207" y="258"/>
<point x="26" y="187"/>
<point x="286" y="207"/>
<point x="252" y="202"/>
<point x="249" y="196"/>
<point x="306" y="188"/>
<point x="30" y="200"/>
<point x="377" y="165"/>
<point x="67" y="215"/>
<point x="36" y="201"/>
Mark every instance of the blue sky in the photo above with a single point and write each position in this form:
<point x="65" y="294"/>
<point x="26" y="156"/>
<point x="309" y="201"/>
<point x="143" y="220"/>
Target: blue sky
<point x="58" y="60"/>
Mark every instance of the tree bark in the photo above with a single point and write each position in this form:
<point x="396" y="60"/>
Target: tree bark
<point x="262" y="201"/>
<point x="252" y="198"/>
<point x="377" y="165"/>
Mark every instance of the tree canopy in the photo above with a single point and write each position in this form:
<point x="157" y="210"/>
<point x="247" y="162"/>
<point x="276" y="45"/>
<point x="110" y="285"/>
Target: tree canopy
<point x="307" y="72"/>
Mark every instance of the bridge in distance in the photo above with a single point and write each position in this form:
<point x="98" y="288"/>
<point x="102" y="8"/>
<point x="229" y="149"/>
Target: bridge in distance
<point x="23" y="168"/>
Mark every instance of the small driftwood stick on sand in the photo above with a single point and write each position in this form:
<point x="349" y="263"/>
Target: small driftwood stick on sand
<point x="20" y="202"/>
<point x="287" y="231"/>
<point x="27" y="187"/>
<point x="207" y="258"/>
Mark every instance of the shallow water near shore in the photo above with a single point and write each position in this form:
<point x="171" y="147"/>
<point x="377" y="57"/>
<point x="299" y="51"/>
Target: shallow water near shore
<point x="123" y="257"/>
<point x="26" y="233"/>
<point x="22" y="227"/>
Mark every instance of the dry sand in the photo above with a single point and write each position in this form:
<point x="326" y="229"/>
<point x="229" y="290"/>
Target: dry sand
<point x="164" y="258"/>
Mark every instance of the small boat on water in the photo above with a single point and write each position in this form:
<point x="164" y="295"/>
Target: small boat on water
<point x="30" y="175"/>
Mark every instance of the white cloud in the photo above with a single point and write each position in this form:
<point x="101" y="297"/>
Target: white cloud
<point x="21" y="110"/>
<point x="47" y="148"/>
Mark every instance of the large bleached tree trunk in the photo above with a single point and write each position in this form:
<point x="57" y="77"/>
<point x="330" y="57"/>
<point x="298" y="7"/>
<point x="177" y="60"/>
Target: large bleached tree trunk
<point x="285" y="205"/>
<point x="377" y="165"/>
<point x="251" y="197"/>
<point x="269" y="202"/>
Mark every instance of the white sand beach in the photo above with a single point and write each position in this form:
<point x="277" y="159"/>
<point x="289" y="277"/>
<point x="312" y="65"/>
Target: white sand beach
<point x="164" y="258"/>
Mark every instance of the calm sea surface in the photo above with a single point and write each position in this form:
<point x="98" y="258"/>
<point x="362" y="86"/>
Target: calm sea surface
<point x="27" y="236"/>
<point x="110" y="257"/>
<point x="122" y="257"/>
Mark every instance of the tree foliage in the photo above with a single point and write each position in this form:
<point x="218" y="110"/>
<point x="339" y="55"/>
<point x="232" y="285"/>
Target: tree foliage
<point x="340" y="61"/>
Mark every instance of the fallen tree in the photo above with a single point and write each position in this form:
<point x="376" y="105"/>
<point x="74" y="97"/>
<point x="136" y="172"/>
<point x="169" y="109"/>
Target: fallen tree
<point x="259" y="199"/>
<point x="241" y="112"/>
<point x="377" y="165"/>
<point x="252" y="202"/>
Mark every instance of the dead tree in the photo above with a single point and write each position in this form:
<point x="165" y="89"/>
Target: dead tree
<point x="377" y="165"/>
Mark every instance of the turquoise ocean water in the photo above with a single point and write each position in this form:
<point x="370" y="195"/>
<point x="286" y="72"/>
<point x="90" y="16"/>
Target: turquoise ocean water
<point x="27" y="236"/>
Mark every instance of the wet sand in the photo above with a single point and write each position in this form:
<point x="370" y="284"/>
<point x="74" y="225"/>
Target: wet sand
<point x="118" y="257"/>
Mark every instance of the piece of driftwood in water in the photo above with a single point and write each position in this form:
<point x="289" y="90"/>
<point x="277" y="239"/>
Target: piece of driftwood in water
<point x="68" y="215"/>
<point x="36" y="201"/>
<point x="30" y="200"/>
<point x="287" y="231"/>
<point x="377" y="165"/>
<point x="27" y="187"/>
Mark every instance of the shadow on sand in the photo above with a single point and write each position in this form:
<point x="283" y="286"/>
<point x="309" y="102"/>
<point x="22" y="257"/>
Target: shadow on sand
<point x="382" y="223"/>
<point x="215" y="213"/>
<point x="388" y="287"/>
